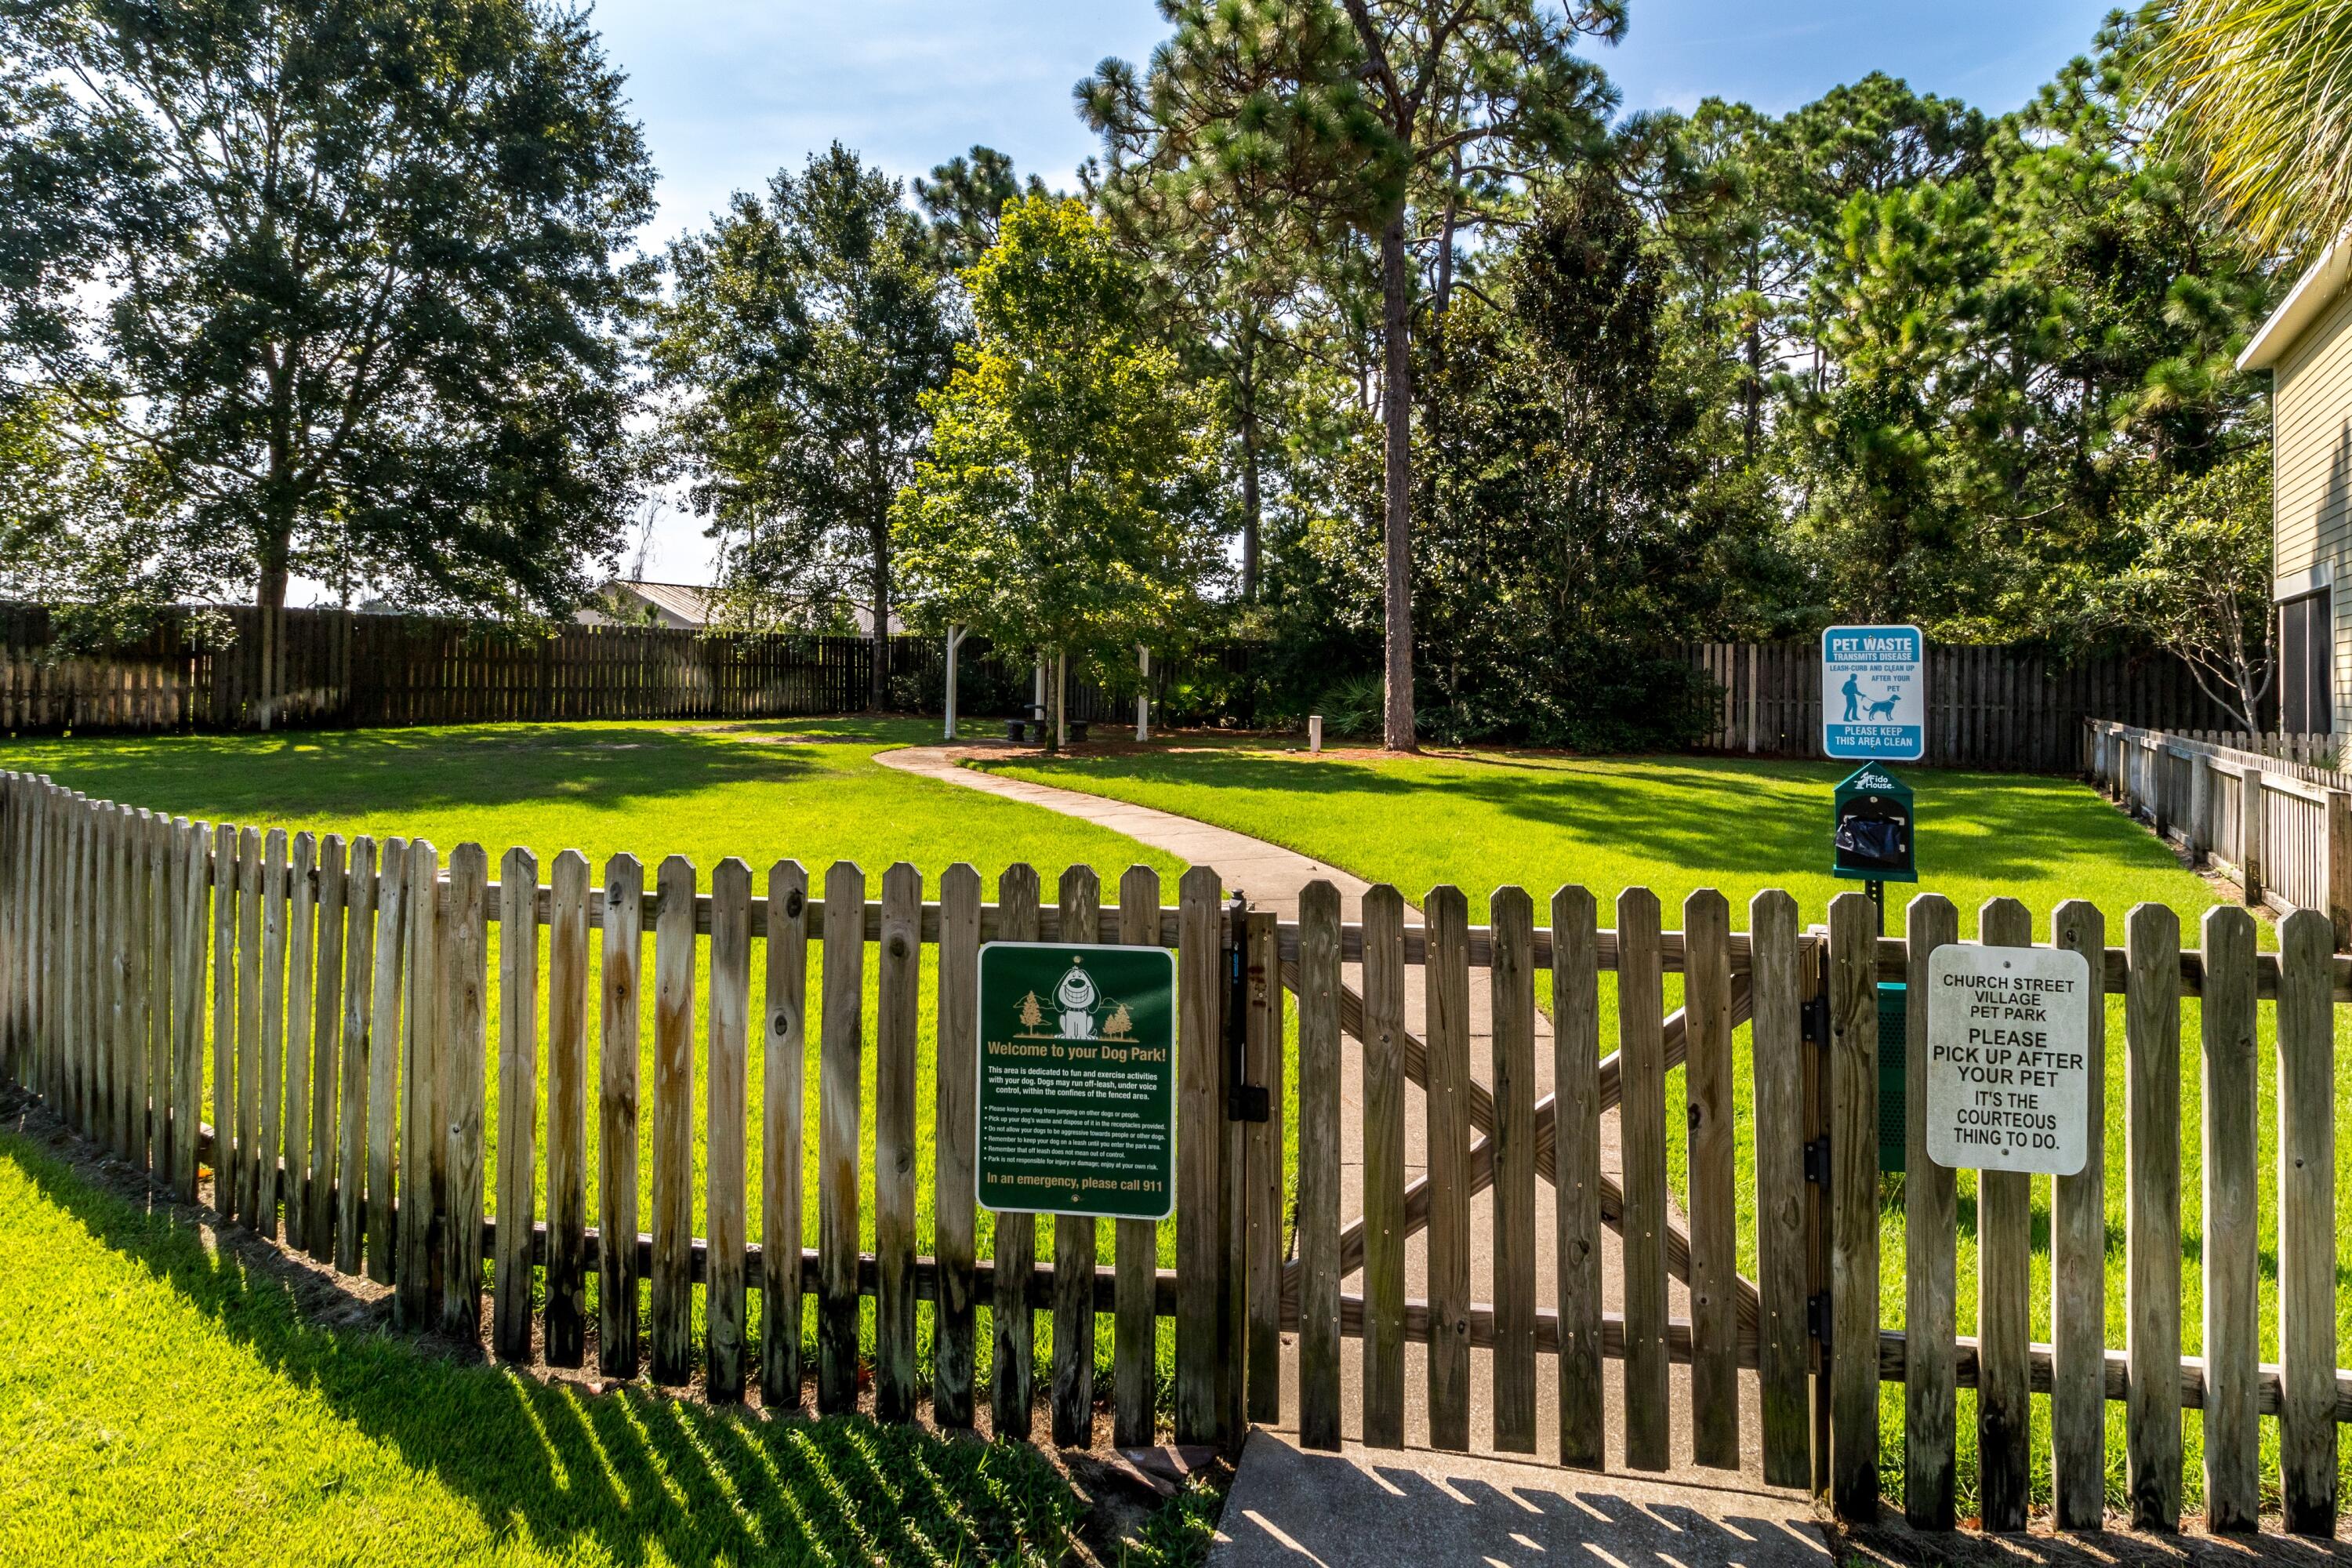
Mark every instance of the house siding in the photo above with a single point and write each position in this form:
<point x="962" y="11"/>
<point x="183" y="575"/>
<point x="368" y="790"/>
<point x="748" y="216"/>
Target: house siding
<point x="2311" y="475"/>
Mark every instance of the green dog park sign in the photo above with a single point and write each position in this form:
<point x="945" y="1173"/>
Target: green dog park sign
<point x="1077" y="1079"/>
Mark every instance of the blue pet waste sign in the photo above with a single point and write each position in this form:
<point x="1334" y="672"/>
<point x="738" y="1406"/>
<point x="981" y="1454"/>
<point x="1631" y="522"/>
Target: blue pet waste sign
<point x="1874" y="693"/>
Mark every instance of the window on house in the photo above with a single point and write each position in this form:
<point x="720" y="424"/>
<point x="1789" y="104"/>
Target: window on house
<point x="2306" y="656"/>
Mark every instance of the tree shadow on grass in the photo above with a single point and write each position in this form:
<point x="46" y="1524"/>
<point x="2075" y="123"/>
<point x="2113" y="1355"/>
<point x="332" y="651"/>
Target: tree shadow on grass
<point x="1731" y="818"/>
<point x="379" y="771"/>
<point x="646" y="1478"/>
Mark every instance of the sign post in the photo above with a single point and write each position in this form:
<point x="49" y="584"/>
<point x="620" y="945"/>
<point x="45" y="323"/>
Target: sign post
<point x="2007" y="1050"/>
<point x="1874" y="693"/>
<point x="1077" y="1079"/>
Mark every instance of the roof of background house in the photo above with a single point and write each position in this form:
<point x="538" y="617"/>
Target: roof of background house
<point x="688" y="604"/>
<point x="2311" y="294"/>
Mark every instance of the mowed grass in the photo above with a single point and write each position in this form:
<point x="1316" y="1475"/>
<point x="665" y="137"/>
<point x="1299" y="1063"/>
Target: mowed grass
<point x="162" y="1401"/>
<point x="803" y="790"/>
<point x="1678" y="824"/>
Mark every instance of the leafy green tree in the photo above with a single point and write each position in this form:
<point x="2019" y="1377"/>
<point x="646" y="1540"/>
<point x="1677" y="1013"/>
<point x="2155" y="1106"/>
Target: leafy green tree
<point x="346" y="276"/>
<point x="1402" y="119"/>
<point x="965" y="196"/>
<point x="2200" y="585"/>
<point x="799" y="339"/>
<point x="1061" y="504"/>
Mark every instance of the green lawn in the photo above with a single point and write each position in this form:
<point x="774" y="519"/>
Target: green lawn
<point x="1671" y="824"/>
<point x="811" y="791"/>
<point x="164" y="1403"/>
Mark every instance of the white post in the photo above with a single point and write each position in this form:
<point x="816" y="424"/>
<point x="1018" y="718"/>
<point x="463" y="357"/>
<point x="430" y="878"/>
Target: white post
<point x="1143" y="698"/>
<point x="1037" y="703"/>
<point x="955" y="641"/>
<point x="1315" y="733"/>
<point x="1061" y="702"/>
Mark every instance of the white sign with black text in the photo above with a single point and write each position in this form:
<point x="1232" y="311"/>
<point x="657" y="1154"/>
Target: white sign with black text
<point x="2008" y="1058"/>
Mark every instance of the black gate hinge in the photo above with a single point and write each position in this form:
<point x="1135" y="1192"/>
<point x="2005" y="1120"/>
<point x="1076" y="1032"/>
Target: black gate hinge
<point x="1813" y="1021"/>
<point x="1817" y="1319"/>
<point x="1817" y="1161"/>
<point x="1244" y="1101"/>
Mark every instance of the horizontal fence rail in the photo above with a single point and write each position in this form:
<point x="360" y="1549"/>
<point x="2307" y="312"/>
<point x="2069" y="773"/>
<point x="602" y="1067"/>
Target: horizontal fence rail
<point x="2280" y="827"/>
<point x="319" y="1022"/>
<point x="1994" y="705"/>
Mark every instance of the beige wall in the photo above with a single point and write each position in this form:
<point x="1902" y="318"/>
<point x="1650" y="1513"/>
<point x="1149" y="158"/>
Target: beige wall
<point x="2311" y="457"/>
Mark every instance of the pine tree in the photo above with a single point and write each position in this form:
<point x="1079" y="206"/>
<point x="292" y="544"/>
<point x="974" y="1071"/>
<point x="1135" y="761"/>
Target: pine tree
<point x="1398" y="117"/>
<point x="1031" y="1015"/>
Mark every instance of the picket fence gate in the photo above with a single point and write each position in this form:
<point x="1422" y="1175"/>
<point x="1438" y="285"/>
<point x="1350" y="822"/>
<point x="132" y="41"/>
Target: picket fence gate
<point x="341" y="995"/>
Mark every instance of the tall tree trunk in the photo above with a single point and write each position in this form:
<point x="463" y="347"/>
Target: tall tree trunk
<point x="276" y="553"/>
<point x="1251" y="503"/>
<point x="878" y="686"/>
<point x="1396" y="412"/>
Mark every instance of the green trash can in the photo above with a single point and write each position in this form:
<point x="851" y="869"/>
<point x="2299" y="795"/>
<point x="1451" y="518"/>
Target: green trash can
<point x="1894" y="1027"/>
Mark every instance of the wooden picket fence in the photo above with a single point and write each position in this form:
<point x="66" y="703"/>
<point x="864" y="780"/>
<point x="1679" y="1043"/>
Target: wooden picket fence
<point x="1989" y="705"/>
<point x="2281" y="827"/>
<point x="343" y="997"/>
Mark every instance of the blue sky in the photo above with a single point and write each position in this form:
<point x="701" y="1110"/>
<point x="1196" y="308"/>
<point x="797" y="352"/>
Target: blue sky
<point x="729" y="91"/>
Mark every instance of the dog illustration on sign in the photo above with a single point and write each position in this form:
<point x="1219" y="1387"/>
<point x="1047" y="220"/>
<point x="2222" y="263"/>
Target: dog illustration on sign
<point x="1077" y="1001"/>
<point x="1884" y="706"/>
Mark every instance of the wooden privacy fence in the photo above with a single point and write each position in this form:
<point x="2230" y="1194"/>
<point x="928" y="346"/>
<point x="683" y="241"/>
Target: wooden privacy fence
<point x="341" y="995"/>
<point x="2282" y="828"/>
<point x="244" y="667"/>
<point x="1997" y="706"/>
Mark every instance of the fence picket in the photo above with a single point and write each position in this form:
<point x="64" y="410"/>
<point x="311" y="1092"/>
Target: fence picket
<point x="839" y="1114"/>
<point x="1712" y="1203"/>
<point x="1783" y="1347"/>
<point x="954" y="1200"/>
<point x="671" y="1321"/>
<point x="564" y="1326"/>
<point x="301" y="975"/>
<point x="2306" y="1224"/>
<point x="1135" y="1350"/>
<point x="1384" y="1233"/>
<point x="386" y="1053"/>
<point x="326" y="1046"/>
<point x="518" y="1102"/>
<point x="1641" y="1115"/>
<point x="2004" y="1309"/>
<point x="1512" y="972"/>
<point x="262" y="1168"/>
<point x="1576" y="1165"/>
<point x="191" y="906"/>
<point x="463" y="1058"/>
<point x="620" y="977"/>
<point x="1072" y="1397"/>
<point x="1445" y="1047"/>
<point x="2152" y="1215"/>
<point x="353" y="1097"/>
<point x="2078" y="1261"/>
<point x="420" y="1193"/>
<point x="1854" y="1200"/>
<point x="899" y="961"/>
<point x="1319" y="1167"/>
<point x="726" y="1116"/>
<point x="1011" y="1366"/>
<point x="1264" y="1189"/>
<point x="1930" y="1226"/>
<point x="2231" y="1221"/>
